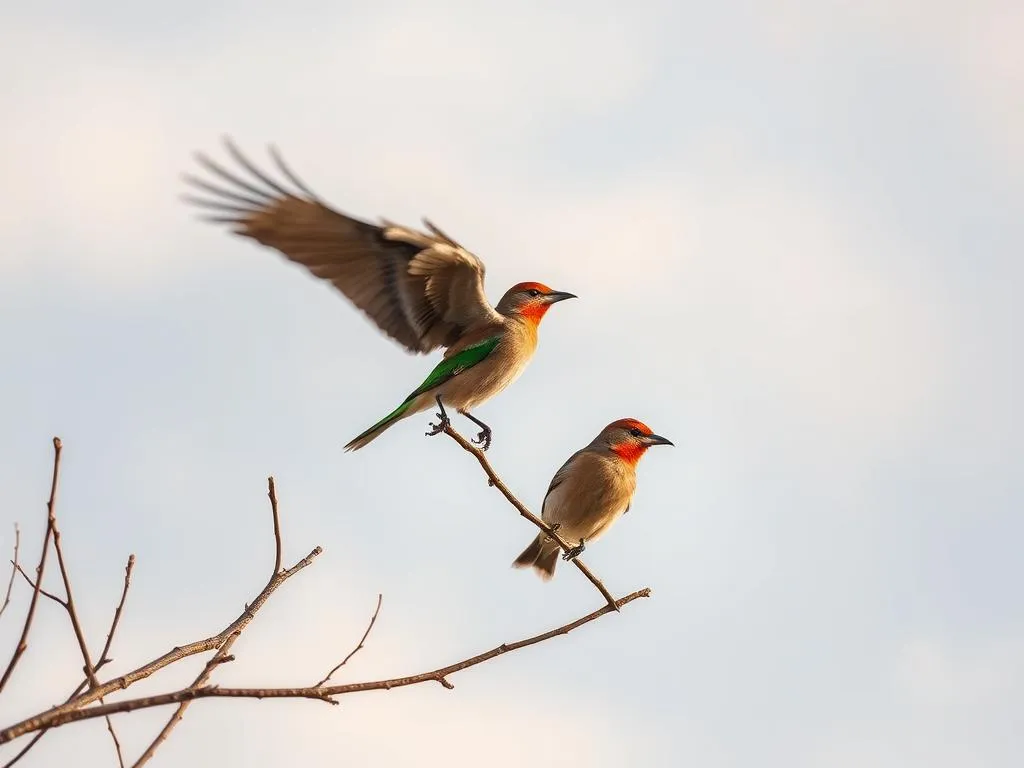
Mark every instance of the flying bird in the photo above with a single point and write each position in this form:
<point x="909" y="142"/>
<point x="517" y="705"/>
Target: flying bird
<point x="592" y="490"/>
<point x="421" y="288"/>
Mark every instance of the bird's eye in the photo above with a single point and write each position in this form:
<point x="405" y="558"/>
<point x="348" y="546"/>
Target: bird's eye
<point x="636" y="432"/>
<point x="534" y="292"/>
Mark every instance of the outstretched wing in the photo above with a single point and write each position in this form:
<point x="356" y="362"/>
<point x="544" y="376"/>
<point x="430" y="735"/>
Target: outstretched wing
<point x="421" y="288"/>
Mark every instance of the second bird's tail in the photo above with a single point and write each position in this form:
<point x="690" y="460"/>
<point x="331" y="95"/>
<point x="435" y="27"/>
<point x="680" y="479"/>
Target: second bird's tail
<point x="541" y="555"/>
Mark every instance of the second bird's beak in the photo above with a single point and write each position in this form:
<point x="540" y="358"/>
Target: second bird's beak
<point x="556" y="296"/>
<point x="653" y="439"/>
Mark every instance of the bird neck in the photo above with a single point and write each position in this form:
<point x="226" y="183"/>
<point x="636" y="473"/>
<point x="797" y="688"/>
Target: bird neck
<point x="630" y="453"/>
<point x="523" y="328"/>
<point x="532" y="313"/>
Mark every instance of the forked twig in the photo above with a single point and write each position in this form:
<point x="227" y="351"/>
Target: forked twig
<point x="354" y="651"/>
<point x="22" y="645"/>
<point x="327" y="693"/>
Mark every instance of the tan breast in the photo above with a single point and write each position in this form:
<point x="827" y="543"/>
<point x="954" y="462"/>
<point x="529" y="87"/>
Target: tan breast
<point x="504" y="365"/>
<point x="593" y="495"/>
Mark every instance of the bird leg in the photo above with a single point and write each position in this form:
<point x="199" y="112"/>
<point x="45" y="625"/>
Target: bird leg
<point x="575" y="552"/>
<point x="483" y="439"/>
<point x="443" y="420"/>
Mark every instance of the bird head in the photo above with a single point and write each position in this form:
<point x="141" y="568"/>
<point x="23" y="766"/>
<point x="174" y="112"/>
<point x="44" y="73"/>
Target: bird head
<point x="629" y="439"/>
<point x="530" y="300"/>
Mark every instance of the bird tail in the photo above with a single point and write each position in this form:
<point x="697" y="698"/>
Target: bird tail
<point x="378" y="429"/>
<point x="541" y="555"/>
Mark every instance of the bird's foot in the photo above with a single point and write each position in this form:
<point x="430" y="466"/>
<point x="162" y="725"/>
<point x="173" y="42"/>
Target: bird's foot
<point x="574" y="552"/>
<point x="443" y="422"/>
<point x="483" y="439"/>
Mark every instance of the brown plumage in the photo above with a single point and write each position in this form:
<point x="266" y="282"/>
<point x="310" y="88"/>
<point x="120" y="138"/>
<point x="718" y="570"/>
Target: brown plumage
<point x="421" y="288"/>
<point x="588" y="493"/>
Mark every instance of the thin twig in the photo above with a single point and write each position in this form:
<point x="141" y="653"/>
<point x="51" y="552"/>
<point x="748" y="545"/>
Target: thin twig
<point x="14" y="569"/>
<point x="272" y="495"/>
<point x="117" y="744"/>
<point x="28" y="580"/>
<point x="46" y="718"/>
<point x="327" y="694"/>
<point x="104" y="660"/>
<point x="354" y="651"/>
<point x="494" y="480"/>
<point x="222" y="655"/>
<point x="23" y="640"/>
<point x="69" y="604"/>
<point x="76" y="625"/>
<point x="129" y="567"/>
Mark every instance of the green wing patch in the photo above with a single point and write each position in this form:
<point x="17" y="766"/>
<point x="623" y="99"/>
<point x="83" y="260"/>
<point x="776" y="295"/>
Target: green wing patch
<point x="451" y="367"/>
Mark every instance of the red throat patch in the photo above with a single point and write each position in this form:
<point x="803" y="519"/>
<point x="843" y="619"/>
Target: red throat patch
<point x="535" y="311"/>
<point x="630" y="452"/>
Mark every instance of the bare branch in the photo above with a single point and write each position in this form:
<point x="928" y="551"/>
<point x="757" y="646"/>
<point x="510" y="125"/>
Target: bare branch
<point x="494" y="480"/>
<point x="49" y="595"/>
<point x="69" y="604"/>
<point x="55" y="717"/>
<point x="14" y="569"/>
<point x="45" y="719"/>
<point x="272" y="495"/>
<point x="129" y="567"/>
<point x="117" y="744"/>
<point x="222" y="655"/>
<point x="50" y="505"/>
<point x="354" y="651"/>
<point x="79" y="705"/>
<point x="218" y="658"/>
<point x="104" y="660"/>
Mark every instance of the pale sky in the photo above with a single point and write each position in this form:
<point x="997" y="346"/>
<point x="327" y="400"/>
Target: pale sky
<point x="796" y="233"/>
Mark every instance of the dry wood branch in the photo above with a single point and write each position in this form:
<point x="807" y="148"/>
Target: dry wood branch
<point x="494" y="480"/>
<point x="49" y="595"/>
<point x="322" y="693"/>
<point x="103" y="661"/>
<point x="22" y="646"/>
<point x="46" y="718"/>
<point x="79" y="705"/>
<point x="222" y="655"/>
<point x="359" y="646"/>
<point x="272" y="495"/>
<point x="104" y="655"/>
<point x="69" y="604"/>
<point x="14" y="569"/>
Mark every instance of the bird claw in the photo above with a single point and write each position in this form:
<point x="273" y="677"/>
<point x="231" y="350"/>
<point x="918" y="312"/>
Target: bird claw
<point x="483" y="439"/>
<point x="443" y="422"/>
<point x="574" y="552"/>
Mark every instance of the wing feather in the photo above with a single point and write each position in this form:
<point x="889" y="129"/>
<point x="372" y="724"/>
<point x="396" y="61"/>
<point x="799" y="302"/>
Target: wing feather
<point x="422" y="289"/>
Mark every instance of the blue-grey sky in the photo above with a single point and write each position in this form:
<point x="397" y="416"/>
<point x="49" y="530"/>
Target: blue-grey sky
<point x="796" y="233"/>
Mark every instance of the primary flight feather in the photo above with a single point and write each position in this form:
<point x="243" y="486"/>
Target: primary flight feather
<point x="421" y="288"/>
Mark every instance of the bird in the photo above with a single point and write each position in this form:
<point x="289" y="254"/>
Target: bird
<point x="589" y="492"/>
<point x="420" y="287"/>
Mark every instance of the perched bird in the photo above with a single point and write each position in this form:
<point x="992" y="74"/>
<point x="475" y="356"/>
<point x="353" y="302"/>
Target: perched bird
<point x="422" y="289"/>
<point x="592" y="490"/>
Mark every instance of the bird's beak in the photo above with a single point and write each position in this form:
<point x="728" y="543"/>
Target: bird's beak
<point x="556" y="296"/>
<point x="653" y="439"/>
